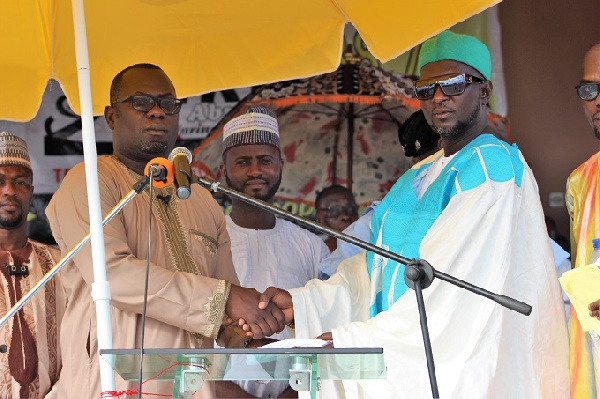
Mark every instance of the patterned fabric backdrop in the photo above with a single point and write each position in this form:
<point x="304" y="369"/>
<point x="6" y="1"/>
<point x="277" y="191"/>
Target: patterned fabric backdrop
<point x="336" y="128"/>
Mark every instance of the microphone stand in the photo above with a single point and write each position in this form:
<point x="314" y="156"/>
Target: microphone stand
<point x="418" y="274"/>
<point x="138" y="187"/>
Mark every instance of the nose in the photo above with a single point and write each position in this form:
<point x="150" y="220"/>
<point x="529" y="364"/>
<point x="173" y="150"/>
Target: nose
<point x="156" y="112"/>
<point x="345" y="216"/>
<point x="254" y="169"/>
<point x="438" y="95"/>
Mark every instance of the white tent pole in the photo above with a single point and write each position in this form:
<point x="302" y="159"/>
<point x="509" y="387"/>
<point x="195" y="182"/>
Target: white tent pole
<point x="100" y="287"/>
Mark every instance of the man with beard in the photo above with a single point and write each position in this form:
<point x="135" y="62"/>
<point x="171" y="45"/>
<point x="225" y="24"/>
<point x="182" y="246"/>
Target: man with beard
<point x="30" y="366"/>
<point x="583" y="204"/>
<point x="267" y="251"/>
<point x="192" y="282"/>
<point x="472" y="211"/>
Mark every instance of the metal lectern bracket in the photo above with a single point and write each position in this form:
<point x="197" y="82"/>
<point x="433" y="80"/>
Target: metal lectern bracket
<point x="300" y="373"/>
<point x="191" y="378"/>
<point x="300" y="380"/>
<point x="303" y="374"/>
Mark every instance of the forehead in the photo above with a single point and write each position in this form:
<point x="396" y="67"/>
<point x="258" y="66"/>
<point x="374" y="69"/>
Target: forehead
<point x="14" y="171"/>
<point x="149" y="81"/>
<point x="591" y="65"/>
<point x="338" y="196"/>
<point x="439" y="68"/>
<point x="255" y="150"/>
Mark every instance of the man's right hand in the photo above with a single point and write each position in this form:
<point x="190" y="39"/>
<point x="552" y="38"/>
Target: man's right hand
<point x="243" y="303"/>
<point x="281" y="298"/>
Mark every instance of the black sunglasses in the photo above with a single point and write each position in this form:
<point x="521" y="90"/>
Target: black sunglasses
<point x="336" y="210"/>
<point x="588" y="91"/>
<point x="451" y="85"/>
<point x="145" y="102"/>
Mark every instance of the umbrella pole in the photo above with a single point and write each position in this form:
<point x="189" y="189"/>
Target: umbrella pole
<point x="100" y="287"/>
<point x="336" y="142"/>
<point x="350" y="146"/>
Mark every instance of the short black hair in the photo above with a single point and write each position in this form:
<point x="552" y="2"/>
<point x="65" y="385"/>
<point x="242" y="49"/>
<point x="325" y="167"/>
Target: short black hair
<point x="416" y="136"/>
<point x="118" y="79"/>
<point x="328" y="190"/>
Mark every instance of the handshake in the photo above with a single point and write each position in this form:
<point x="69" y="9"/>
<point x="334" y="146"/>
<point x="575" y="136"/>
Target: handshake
<point x="260" y="315"/>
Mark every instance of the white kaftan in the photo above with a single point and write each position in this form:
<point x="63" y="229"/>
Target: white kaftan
<point x="285" y="256"/>
<point x="492" y="235"/>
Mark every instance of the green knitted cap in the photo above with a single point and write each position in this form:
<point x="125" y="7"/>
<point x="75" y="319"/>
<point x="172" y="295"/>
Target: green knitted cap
<point x="462" y="48"/>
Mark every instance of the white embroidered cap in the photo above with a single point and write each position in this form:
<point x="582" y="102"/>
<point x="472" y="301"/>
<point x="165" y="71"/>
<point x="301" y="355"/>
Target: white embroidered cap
<point x="13" y="150"/>
<point x="257" y="126"/>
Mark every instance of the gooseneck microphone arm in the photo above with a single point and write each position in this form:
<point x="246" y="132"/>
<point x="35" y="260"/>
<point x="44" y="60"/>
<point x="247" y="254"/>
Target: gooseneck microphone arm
<point x="418" y="274"/>
<point x="215" y="186"/>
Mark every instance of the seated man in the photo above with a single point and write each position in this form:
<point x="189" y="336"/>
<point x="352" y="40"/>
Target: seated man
<point x="336" y="208"/>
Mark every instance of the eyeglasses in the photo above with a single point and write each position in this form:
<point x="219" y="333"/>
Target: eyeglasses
<point x="588" y="91"/>
<point x="336" y="210"/>
<point x="145" y="102"/>
<point x="451" y="85"/>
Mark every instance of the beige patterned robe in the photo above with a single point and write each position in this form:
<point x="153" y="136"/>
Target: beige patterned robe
<point x="42" y="315"/>
<point x="190" y="271"/>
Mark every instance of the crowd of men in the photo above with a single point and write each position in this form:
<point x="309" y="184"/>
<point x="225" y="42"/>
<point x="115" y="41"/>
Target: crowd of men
<point x="470" y="206"/>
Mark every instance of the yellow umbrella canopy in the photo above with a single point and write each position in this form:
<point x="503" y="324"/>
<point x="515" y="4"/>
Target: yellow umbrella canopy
<point x="203" y="45"/>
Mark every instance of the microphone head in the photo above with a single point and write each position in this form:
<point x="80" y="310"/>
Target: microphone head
<point x="160" y="162"/>
<point x="180" y="150"/>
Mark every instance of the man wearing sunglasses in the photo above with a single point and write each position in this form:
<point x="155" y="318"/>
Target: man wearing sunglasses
<point x="582" y="198"/>
<point x="472" y="211"/>
<point x="192" y="281"/>
<point x="336" y="208"/>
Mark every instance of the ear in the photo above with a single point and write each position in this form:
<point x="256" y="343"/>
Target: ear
<point x="222" y="171"/>
<point x="486" y="91"/>
<point x="109" y="115"/>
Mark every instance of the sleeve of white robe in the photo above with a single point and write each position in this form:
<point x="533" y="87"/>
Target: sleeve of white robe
<point x="490" y="237"/>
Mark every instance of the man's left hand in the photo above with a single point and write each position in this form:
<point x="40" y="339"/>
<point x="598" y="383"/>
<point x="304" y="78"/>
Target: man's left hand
<point x="594" y="308"/>
<point x="327" y="337"/>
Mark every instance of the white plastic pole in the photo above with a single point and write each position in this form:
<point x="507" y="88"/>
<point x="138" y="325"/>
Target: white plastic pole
<point x="100" y="287"/>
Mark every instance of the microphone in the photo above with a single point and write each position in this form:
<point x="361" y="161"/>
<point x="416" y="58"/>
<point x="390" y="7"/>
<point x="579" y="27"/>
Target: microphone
<point x="161" y="172"/>
<point x="181" y="158"/>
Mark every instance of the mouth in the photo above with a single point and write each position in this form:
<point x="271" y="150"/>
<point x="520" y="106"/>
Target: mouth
<point x="442" y="113"/>
<point x="9" y="204"/>
<point x="255" y="183"/>
<point x="10" y="208"/>
<point x="156" y="130"/>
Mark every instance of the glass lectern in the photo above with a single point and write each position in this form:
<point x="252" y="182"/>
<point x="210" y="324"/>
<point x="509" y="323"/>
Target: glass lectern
<point x="304" y="368"/>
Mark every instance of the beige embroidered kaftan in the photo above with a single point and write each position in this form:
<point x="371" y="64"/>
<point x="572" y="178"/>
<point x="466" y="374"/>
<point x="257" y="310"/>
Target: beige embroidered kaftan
<point x="190" y="271"/>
